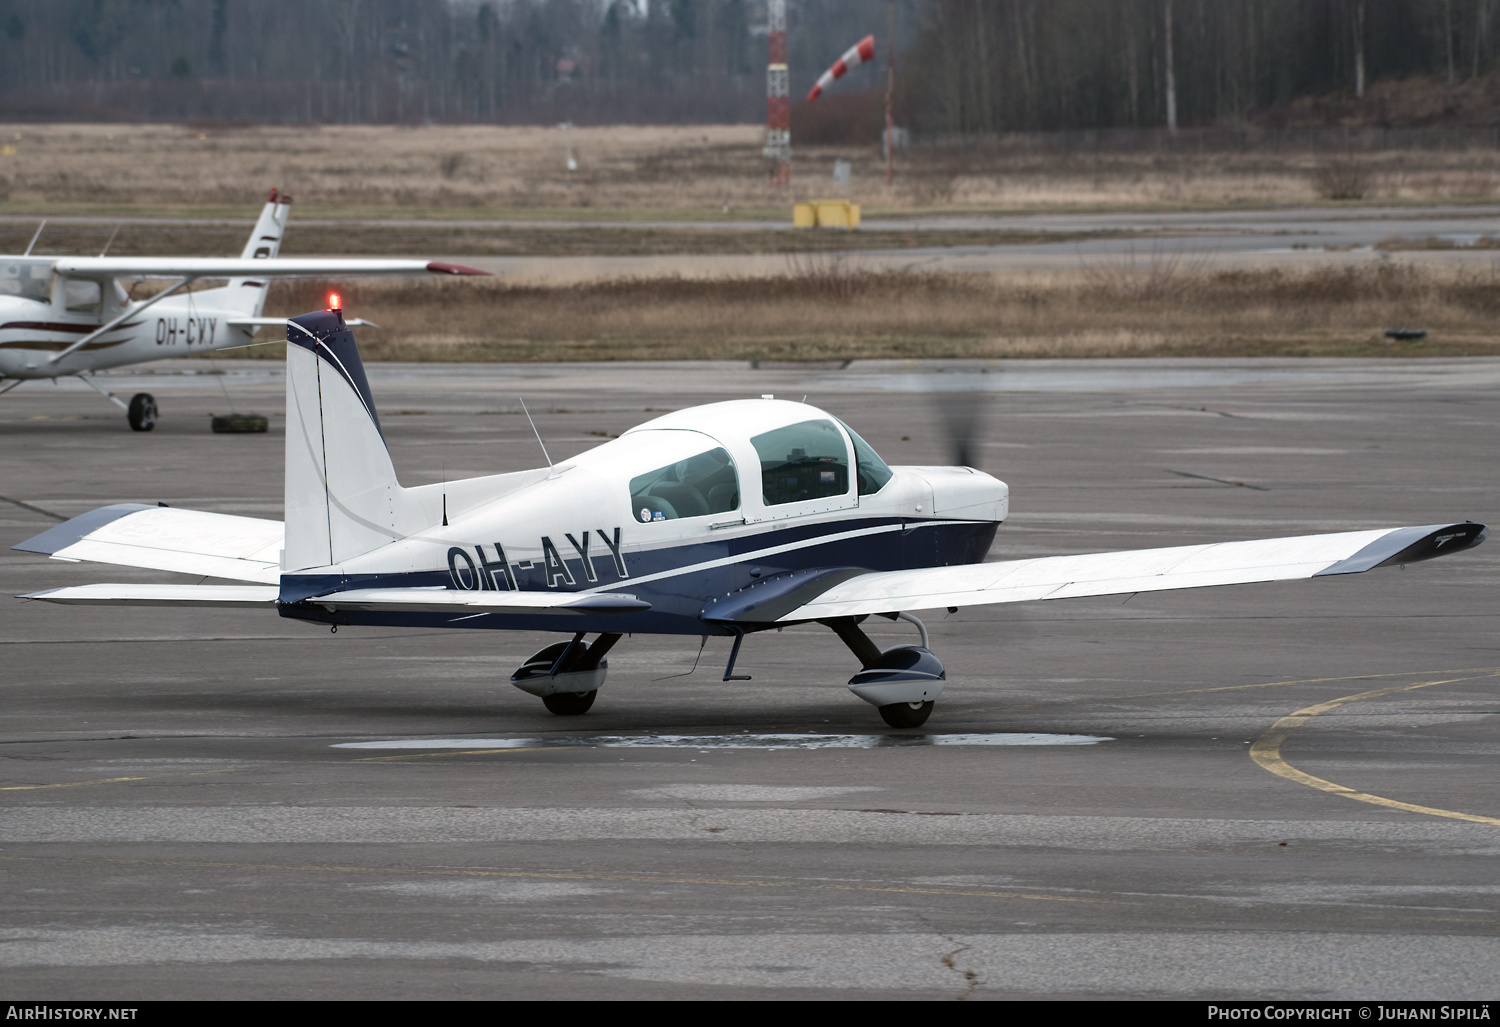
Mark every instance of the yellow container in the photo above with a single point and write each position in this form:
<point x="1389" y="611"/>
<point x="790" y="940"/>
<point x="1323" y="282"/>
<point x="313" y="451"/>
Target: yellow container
<point x="826" y="214"/>
<point x="833" y="213"/>
<point x="836" y="213"/>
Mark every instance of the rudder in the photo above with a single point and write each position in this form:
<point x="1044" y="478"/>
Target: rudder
<point x="249" y="294"/>
<point x="342" y="497"/>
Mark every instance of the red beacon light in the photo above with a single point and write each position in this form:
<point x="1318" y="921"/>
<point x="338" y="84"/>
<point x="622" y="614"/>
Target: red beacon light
<point x="334" y="302"/>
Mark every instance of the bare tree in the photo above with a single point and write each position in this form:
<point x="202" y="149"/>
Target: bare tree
<point x="1171" y="73"/>
<point x="1359" y="49"/>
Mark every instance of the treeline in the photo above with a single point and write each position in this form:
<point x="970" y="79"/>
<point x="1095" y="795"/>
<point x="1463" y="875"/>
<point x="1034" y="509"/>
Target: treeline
<point x="996" y="65"/>
<point x="964" y="65"/>
<point x="410" y="61"/>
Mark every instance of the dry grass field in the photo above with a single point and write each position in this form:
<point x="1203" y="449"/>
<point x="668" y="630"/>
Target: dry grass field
<point x="433" y="236"/>
<point x="634" y="173"/>
<point x="827" y="309"/>
<point x="823" y="307"/>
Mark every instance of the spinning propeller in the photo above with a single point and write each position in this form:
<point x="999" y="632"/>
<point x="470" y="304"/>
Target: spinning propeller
<point x="960" y="407"/>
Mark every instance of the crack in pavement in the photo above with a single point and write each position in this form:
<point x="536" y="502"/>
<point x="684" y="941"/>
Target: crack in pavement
<point x="970" y="975"/>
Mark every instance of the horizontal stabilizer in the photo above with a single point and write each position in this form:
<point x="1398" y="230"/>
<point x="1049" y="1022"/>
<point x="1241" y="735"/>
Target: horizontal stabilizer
<point x="422" y="600"/>
<point x="280" y="322"/>
<point x="160" y="595"/>
<point x="168" y="538"/>
<point x="1101" y="574"/>
<point x="270" y="267"/>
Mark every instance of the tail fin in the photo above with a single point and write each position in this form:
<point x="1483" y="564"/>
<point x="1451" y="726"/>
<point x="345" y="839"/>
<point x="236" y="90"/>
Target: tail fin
<point x="249" y="294"/>
<point x="342" y="497"/>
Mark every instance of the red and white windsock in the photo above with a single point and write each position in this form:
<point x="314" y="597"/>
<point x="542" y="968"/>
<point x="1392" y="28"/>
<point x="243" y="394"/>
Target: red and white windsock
<point x="858" y="54"/>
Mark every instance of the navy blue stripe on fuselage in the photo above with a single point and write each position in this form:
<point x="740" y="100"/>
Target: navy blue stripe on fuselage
<point x="679" y="599"/>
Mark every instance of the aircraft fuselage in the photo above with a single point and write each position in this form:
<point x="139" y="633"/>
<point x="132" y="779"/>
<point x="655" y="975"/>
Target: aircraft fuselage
<point x="32" y="333"/>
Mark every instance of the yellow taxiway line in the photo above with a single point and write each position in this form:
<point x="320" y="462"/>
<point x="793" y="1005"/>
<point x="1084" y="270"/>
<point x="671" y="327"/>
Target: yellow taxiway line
<point x="1266" y="751"/>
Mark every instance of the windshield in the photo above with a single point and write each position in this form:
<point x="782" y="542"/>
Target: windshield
<point x="870" y="470"/>
<point x="29" y="279"/>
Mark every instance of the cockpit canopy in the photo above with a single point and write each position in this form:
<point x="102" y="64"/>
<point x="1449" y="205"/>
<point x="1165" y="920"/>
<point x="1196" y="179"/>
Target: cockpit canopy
<point x="695" y="459"/>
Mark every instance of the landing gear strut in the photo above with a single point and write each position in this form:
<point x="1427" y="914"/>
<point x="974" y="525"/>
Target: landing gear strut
<point x="566" y="675"/>
<point x="140" y="411"/>
<point x="903" y="682"/>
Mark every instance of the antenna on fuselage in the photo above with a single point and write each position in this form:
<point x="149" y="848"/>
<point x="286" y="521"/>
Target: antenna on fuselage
<point x="111" y="243"/>
<point x="34" y="238"/>
<point x="539" y="441"/>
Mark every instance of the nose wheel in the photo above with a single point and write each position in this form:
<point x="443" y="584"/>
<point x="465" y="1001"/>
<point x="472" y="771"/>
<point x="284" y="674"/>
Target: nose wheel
<point x="142" y="412"/>
<point x="903" y="683"/>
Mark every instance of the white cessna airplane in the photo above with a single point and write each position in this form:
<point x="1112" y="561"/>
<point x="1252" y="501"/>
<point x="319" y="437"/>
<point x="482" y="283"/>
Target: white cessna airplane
<point x="70" y="316"/>
<point x="720" y="520"/>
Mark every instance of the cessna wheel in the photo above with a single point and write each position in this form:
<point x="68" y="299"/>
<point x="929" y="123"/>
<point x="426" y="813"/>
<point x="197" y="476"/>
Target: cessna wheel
<point x="571" y="704"/>
<point x="142" y="412"/>
<point x="906" y="714"/>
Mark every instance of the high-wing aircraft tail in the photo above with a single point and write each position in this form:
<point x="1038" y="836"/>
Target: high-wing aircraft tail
<point x="246" y="295"/>
<point x="249" y="294"/>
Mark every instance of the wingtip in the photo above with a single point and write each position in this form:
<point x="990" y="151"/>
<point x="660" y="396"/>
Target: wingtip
<point x="443" y="267"/>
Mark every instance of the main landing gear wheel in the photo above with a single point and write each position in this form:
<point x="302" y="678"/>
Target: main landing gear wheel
<point x="903" y="683"/>
<point x="566" y="675"/>
<point x="572" y="704"/>
<point x="906" y="714"/>
<point x="142" y="413"/>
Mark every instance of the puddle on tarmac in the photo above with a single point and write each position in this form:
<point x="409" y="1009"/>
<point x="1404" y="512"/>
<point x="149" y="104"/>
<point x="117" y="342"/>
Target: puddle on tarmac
<point x="739" y="741"/>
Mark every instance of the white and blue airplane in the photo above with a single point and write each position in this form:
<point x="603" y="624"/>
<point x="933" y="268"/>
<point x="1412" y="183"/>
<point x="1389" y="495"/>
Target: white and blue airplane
<point x="718" y="520"/>
<point x="67" y="317"/>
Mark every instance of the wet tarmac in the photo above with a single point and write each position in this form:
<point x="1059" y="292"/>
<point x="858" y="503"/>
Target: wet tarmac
<point x="1282" y="791"/>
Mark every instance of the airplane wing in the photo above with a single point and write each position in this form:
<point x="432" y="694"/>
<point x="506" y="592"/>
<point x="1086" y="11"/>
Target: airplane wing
<point x="167" y="538"/>
<point x="387" y="600"/>
<point x="266" y="267"/>
<point x="846" y="593"/>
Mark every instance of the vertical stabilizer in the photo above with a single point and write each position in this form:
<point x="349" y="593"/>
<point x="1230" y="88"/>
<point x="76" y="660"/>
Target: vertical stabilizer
<point x="249" y="294"/>
<point x="342" y="497"/>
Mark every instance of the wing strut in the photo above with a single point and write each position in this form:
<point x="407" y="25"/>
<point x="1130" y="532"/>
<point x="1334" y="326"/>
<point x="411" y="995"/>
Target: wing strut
<point x="88" y="379"/>
<point x="129" y="312"/>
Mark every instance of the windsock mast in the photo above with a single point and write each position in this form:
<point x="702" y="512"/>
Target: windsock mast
<point x="778" y="99"/>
